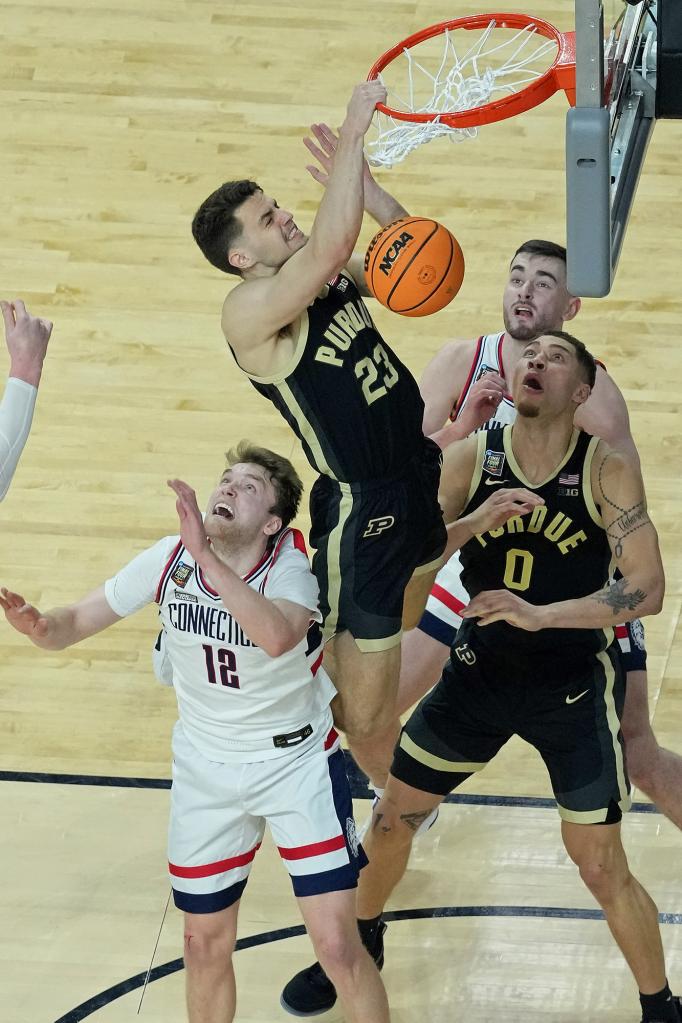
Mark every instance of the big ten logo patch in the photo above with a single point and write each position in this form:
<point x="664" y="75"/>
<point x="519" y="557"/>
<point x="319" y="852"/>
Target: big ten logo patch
<point x="379" y="525"/>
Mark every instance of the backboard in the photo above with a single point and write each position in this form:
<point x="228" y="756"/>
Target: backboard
<point x="607" y="132"/>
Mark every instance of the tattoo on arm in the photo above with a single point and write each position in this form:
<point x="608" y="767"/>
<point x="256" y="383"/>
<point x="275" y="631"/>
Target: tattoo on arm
<point x="628" y="521"/>
<point x="414" y="820"/>
<point x="616" y="597"/>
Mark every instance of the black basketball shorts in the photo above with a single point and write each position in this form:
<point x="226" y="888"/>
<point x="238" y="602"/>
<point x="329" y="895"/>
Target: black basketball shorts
<point x="569" y="711"/>
<point x="370" y="538"/>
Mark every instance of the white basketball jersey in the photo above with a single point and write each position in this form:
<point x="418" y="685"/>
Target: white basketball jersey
<point x="232" y="696"/>
<point x="488" y="359"/>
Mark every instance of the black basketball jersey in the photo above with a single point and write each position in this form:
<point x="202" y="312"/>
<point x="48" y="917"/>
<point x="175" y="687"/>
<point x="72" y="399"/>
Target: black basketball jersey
<point x="355" y="407"/>
<point x="557" y="552"/>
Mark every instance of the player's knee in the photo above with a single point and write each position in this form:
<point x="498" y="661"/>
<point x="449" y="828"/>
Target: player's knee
<point x="207" y="946"/>
<point x="604" y="874"/>
<point x="366" y="727"/>
<point x="339" y="950"/>
<point x="389" y="829"/>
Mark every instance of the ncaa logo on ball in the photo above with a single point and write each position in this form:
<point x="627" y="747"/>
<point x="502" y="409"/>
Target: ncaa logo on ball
<point x="392" y="252"/>
<point x="375" y="241"/>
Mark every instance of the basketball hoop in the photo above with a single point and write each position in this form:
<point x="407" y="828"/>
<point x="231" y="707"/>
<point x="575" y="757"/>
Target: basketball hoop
<point x="463" y="81"/>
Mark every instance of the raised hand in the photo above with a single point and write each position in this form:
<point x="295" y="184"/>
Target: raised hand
<point x="22" y="616"/>
<point x="502" y="606"/>
<point x="503" y="504"/>
<point x="192" y="531"/>
<point x="323" y="149"/>
<point x="362" y="105"/>
<point x="26" y="337"/>
<point x="482" y="402"/>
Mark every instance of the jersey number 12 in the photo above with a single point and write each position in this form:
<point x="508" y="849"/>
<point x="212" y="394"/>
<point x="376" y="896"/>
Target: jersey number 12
<point x="227" y="666"/>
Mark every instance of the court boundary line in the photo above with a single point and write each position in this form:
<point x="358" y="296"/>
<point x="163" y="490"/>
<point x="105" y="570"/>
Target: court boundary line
<point x="357" y="780"/>
<point x="111" y="994"/>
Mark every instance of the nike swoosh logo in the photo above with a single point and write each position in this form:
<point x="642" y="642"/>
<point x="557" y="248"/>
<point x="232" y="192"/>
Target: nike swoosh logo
<point x="494" y="483"/>
<point x="572" y="699"/>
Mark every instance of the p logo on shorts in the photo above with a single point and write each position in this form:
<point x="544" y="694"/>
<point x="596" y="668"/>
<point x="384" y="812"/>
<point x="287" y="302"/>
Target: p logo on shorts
<point x="379" y="525"/>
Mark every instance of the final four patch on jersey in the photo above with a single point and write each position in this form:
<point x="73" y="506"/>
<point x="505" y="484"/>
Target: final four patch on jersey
<point x="493" y="462"/>
<point x="181" y="573"/>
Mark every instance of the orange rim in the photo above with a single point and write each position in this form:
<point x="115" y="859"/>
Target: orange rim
<point x="560" y="75"/>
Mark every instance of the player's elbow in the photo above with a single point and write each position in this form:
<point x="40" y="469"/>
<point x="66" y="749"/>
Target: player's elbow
<point x="657" y="599"/>
<point x="655" y="592"/>
<point x="280" y="642"/>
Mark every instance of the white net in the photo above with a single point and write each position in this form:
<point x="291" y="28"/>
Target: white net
<point x="497" y="62"/>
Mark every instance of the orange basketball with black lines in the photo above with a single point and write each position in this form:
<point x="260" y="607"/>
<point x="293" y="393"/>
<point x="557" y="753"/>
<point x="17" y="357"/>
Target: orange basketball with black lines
<point x="414" y="266"/>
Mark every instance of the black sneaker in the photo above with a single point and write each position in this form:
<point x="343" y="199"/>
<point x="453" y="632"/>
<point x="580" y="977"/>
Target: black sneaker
<point x="311" y="992"/>
<point x="678" y="1005"/>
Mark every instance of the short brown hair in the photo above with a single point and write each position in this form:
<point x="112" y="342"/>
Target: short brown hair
<point x="215" y="226"/>
<point x="585" y="358"/>
<point x="283" y="476"/>
<point x="539" y="247"/>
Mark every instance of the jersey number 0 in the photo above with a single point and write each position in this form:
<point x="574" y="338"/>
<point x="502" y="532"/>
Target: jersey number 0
<point x="518" y="568"/>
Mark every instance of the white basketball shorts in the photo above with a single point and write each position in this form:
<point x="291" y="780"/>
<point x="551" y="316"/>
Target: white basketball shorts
<point x="219" y="812"/>
<point x="442" y="618"/>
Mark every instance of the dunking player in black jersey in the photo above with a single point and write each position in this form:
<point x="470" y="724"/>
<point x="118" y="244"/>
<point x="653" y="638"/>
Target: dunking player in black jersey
<point x="543" y="510"/>
<point x="466" y="382"/>
<point x="299" y="329"/>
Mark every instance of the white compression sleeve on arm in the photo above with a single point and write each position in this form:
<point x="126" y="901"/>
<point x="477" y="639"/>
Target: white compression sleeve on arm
<point x="16" y="415"/>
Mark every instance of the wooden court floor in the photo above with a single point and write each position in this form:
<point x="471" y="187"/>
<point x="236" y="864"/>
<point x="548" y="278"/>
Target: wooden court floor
<point x="118" y="120"/>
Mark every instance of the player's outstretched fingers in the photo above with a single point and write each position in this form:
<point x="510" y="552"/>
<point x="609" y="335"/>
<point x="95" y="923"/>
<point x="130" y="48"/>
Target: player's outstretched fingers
<point x="326" y="137"/>
<point x="183" y="490"/>
<point x="7" y="314"/>
<point x="14" y="600"/>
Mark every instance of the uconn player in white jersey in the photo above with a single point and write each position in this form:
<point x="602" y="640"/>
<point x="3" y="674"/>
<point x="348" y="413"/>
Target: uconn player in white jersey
<point x="466" y="382"/>
<point x="255" y="741"/>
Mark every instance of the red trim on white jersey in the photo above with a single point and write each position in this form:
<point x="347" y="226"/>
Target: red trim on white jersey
<point x="447" y="598"/>
<point x="298" y="542"/>
<point x="331" y="739"/>
<point x="268" y="556"/>
<point x="220" y="867"/>
<point x="303" y="852"/>
<point x="316" y="664"/>
<point x="500" y="363"/>
<point x="472" y="370"/>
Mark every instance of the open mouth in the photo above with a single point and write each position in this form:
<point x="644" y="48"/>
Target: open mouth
<point x="524" y="311"/>
<point x="531" y="382"/>
<point x="224" y="511"/>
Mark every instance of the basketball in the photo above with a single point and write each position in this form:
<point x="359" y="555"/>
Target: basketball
<point x="414" y="266"/>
